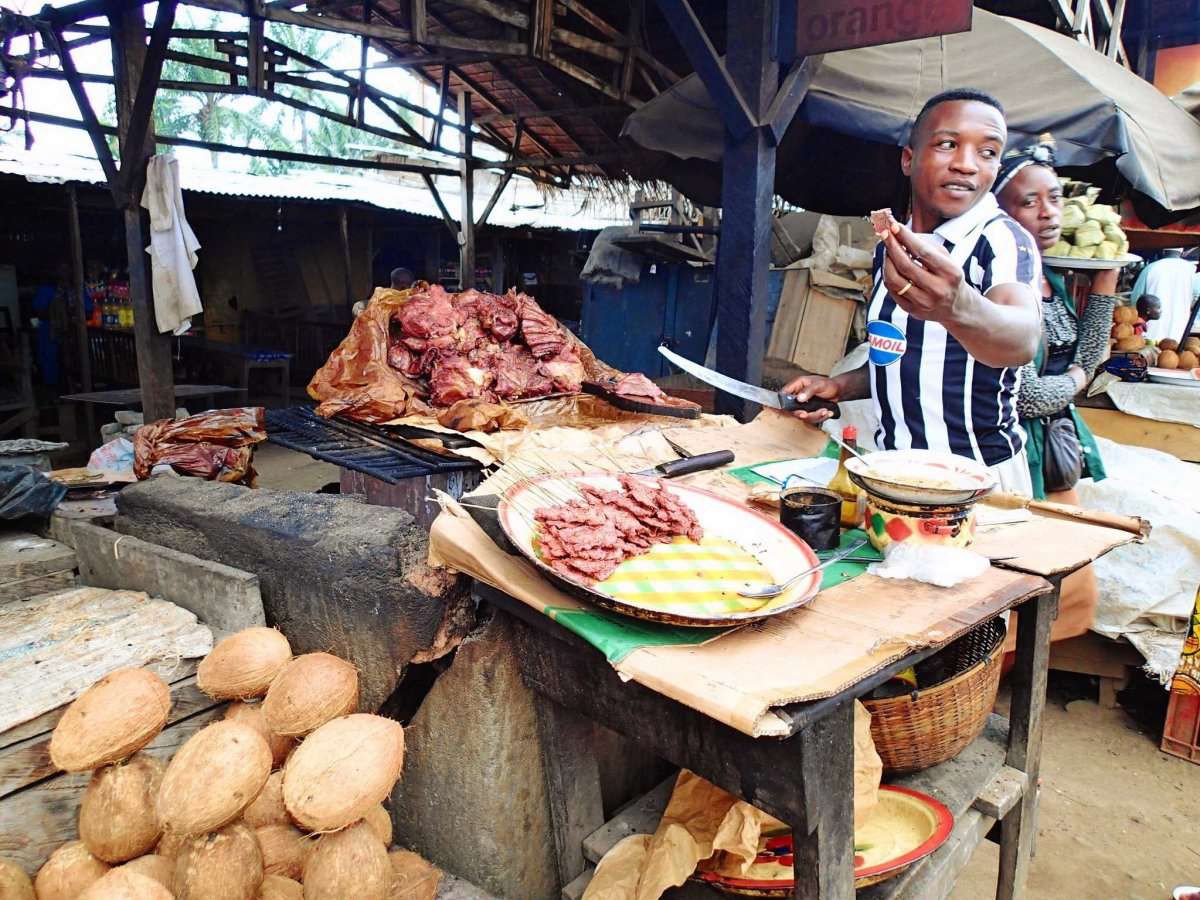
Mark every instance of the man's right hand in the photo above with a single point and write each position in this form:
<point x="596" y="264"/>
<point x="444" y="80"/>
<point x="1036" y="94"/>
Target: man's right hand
<point x="808" y="386"/>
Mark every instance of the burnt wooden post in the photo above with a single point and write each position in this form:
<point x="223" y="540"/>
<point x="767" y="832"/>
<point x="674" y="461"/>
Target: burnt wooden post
<point x="347" y="268"/>
<point x="755" y="111"/>
<point x="77" y="308"/>
<point x="136" y="72"/>
<point x="466" y="222"/>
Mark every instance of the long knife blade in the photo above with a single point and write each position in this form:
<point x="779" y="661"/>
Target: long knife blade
<point x="760" y="395"/>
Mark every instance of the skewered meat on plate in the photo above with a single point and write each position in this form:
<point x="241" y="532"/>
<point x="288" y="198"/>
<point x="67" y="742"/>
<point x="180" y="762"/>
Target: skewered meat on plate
<point x="587" y="539"/>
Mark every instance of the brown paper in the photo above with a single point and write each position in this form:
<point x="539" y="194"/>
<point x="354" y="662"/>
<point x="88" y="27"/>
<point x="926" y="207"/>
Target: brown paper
<point x="704" y="827"/>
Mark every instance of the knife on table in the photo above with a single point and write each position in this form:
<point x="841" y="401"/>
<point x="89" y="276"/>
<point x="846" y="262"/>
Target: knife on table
<point x="760" y="395"/>
<point x="689" y="464"/>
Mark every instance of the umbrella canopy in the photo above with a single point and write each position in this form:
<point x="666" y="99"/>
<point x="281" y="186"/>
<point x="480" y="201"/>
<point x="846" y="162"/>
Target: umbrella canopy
<point x="841" y="153"/>
<point x="1189" y="99"/>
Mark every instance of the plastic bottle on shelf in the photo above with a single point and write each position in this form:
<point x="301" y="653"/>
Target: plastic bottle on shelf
<point x="854" y="502"/>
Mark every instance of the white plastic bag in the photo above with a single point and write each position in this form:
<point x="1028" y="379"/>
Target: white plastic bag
<point x="941" y="566"/>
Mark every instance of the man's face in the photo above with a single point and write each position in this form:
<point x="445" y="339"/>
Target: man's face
<point x="954" y="156"/>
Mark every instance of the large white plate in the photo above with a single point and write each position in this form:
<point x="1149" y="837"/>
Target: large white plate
<point x="1072" y="262"/>
<point x="922" y="476"/>
<point x="1188" y="378"/>
<point x="780" y="552"/>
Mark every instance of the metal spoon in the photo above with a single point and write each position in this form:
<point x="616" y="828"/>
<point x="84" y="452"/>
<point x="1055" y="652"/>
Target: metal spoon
<point x="774" y="590"/>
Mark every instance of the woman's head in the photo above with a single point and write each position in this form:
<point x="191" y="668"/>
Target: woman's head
<point x="1028" y="190"/>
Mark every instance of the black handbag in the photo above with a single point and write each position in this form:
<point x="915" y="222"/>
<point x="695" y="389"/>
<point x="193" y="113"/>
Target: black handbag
<point x="1062" y="455"/>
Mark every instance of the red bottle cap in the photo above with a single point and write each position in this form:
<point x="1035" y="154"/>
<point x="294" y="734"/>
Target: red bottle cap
<point x="849" y="433"/>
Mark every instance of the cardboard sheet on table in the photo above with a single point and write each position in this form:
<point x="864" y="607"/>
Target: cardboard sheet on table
<point x="771" y="436"/>
<point x="1048" y="545"/>
<point x="847" y="633"/>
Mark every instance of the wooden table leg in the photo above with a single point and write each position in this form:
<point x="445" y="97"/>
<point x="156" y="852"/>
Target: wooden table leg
<point x="1028" y="681"/>
<point x="824" y="856"/>
<point x="572" y="783"/>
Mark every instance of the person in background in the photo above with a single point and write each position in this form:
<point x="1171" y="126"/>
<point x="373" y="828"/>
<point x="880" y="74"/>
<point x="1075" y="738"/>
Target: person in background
<point x="1172" y="280"/>
<point x="1060" y="447"/>
<point x="953" y="312"/>
<point x="1149" y="309"/>
<point x="401" y="280"/>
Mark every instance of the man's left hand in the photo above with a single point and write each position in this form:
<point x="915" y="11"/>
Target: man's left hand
<point x="920" y="275"/>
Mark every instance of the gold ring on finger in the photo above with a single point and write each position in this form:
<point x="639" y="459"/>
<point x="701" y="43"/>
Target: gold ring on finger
<point x="904" y="290"/>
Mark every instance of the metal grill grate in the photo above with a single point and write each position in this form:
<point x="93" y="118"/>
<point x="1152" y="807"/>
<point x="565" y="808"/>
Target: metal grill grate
<point x="362" y="448"/>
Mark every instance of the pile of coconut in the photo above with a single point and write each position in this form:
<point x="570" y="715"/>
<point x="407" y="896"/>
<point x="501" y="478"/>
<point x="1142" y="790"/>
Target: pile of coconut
<point x="280" y="800"/>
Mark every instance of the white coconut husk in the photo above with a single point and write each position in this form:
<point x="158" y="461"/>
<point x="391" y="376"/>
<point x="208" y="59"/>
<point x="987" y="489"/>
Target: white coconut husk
<point x="380" y="821"/>
<point x="213" y="777"/>
<point x="243" y="664"/>
<point x="252" y="714"/>
<point x="153" y="865"/>
<point x="341" y="770"/>
<point x="14" y="883"/>
<point x="284" y="849"/>
<point x="413" y="876"/>
<point x="116" y="816"/>
<point x="308" y="692"/>
<point x="224" y="865"/>
<point x="110" y="721"/>
<point x="267" y="808"/>
<point x="122" y="884"/>
<point x="351" y="863"/>
<point x="69" y="871"/>
<point x="276" y="887"/>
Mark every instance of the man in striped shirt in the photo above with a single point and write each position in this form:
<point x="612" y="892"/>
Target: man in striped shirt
<point x="954" y="310"/>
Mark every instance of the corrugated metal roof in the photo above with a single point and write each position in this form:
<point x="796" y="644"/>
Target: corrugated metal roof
<point x="574" y="210"/>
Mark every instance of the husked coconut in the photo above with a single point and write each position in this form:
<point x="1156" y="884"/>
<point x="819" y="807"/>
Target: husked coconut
<point x="123" y="884"/>
<point x="213" y="777"/>
<point x="341" y="770"/>
<point x="110" y="721"/>
<point x="413" y="876"/>
<point x="153" y="865"/>
<point x="69" y="871"/>
<point x="284" y="849"/>
<point x="171" y="843"/>
<point x="381" y="823"/>
<point x="267" y="808"/>
<point x="351" y="863"/>
<point x="243" y="664"/>
<point x="14" y="883"/>
<point x="310" y="690"/>
<point x="116" y="817"/>
<point x="224" y="865"/>
<point x="276" y="887"/>
<point x="252" y="714"/>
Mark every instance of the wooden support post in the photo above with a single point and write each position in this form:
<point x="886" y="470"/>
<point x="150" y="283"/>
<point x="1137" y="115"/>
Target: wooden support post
<point x="1115" y="44"/>
<point x="77" y="308"/>
<point x="344" y="228"/>
<point x="156" y="377"/>
<point x="360" y="115"/>
<point x="1028" y="681"/>
<point x="255" y="48"/>
<point x="466" y="222"/>
<point x="632" y="41"/>
<point x="419" y="29"/>
<point x="541" y="28"/>
<point x="443" y="95"/>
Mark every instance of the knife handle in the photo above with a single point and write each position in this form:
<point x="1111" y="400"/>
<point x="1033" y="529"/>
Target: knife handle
<point x="699" y="463"/>
<point x="791" y="404"/>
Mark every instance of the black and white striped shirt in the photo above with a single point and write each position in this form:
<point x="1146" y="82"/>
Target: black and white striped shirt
<point x="929" y="392"/>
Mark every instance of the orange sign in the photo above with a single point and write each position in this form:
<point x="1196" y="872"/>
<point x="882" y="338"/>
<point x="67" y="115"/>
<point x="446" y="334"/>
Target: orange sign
<point x="826" y="25"/>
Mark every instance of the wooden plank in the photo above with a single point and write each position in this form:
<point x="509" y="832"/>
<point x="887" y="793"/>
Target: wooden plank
<point x="171" y="671"/>
<point x="639" y="816"/>
<point x="27" y="762"/>
<point x="1182" y="441"/>
<point x="1094" y="654"/>
<point x="466" y="194"/>
<point x="934" y="878"/>
<point x="36" y="821"/>
<point x="825" y="324"/>
<point x="792" y="297"/>
<point x="572" y="784"/>
<point x="1002" y="794"/>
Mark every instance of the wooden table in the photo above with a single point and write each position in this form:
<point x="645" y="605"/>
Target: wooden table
<point x="804" y="779"/>
<point x="1106" y="421"/>
<point x="128" y="397"/>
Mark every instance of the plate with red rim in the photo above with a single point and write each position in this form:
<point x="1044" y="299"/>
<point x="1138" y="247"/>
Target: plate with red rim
<point x="1188" y="378"/>
<point x="681" y="583"/>
<point x="906" y="827"/>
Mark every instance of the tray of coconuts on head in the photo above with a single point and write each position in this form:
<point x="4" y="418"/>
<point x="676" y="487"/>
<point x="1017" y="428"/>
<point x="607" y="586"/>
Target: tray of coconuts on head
<point x="1092" y="237"/>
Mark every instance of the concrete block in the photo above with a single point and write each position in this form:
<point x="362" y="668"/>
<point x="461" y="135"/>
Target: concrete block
<point x="473" y="796"/>
<point x="129" y="417"/>
<point x="223" y="598"/>
<point x="343" y="577"/>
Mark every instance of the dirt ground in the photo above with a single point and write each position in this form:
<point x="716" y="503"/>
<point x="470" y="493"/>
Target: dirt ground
<point x="1114" y="820"/>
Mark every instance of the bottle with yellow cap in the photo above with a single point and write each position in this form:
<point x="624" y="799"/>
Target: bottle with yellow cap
<point x="854" y="502"/>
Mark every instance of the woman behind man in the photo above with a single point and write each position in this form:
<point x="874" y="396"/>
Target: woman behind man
<point x="1061" y="449"/>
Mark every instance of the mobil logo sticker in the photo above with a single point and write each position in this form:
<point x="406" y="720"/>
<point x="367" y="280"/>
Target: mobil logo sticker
<point x="887" y="342"/>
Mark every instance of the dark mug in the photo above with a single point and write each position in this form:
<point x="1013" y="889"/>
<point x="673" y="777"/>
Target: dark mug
<point x="813" y="514"/>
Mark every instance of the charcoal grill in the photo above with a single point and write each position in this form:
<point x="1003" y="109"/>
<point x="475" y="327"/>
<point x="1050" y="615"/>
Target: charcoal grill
<point x="377" y="461"/>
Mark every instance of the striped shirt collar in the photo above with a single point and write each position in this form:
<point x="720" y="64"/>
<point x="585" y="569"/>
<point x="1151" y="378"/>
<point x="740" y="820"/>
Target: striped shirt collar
<point x="954" y="230"/>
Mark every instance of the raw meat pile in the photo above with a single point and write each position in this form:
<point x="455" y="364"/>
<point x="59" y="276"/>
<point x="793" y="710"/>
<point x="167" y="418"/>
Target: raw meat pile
<point x="477" y="346"/>
<point x="587" y="539"/>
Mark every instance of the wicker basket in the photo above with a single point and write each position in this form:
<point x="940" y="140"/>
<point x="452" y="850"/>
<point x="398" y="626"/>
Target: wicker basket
<point x="934" y="724"/>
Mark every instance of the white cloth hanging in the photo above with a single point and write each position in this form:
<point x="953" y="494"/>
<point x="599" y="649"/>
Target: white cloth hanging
<point x="173" y="247"/>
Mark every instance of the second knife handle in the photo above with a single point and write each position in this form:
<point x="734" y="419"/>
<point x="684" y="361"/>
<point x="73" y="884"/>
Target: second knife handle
<point x="698" y="463"/>
<point x="791" y="404"/>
